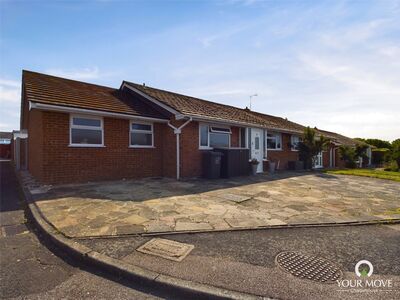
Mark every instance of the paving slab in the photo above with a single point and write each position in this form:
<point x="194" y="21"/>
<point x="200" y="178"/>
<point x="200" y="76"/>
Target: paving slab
<point x="165" y="205"/>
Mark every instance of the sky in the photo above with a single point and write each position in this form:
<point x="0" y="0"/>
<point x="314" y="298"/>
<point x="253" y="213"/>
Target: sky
<point x="330" y="64"/>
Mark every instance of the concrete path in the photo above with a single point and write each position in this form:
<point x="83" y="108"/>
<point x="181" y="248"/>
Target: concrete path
<point x="165" y="205"/>
<point x="28" y="270"/>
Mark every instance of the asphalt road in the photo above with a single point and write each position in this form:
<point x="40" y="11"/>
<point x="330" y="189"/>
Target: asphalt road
<point x="29" y="270"/>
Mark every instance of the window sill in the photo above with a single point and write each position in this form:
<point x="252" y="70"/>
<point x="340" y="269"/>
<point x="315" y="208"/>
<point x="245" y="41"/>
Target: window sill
<point x="294" y="150"/>
<point x="274" y="149"/>
<point x="142" y="147"/>
<point x="85" y="146"/>
<point x="206" y="148"/>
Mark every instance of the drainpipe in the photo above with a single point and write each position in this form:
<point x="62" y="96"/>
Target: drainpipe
<point x="177" y="132"/>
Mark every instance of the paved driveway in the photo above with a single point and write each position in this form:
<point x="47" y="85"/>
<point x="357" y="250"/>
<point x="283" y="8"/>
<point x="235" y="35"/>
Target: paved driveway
<point x="165" y="205"/>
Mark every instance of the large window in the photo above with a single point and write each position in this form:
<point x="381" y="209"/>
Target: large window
<point x="294" y="141"/>
<point x="214" y="136"/>
<point x="274" y="141"/>
<point x="141" y="134"/>
<point x="86" y="131"/>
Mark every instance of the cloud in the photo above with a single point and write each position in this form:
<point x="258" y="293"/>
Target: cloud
<point x="10" y="98"/>
<point x="76" y="74"/>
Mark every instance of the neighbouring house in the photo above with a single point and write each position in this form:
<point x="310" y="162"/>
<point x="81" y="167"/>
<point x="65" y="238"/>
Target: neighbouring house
<point x="5" y="145"/>
<point x="74" y="131"/>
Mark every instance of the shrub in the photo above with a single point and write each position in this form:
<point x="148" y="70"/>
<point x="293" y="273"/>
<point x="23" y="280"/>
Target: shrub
<point x="310" y="146"/>
<point x="392" y="166"/>
<point x="348" y="154"/>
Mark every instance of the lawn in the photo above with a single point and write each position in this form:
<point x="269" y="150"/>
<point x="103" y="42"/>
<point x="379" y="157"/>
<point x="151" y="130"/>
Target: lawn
<point x="368" y="173"/>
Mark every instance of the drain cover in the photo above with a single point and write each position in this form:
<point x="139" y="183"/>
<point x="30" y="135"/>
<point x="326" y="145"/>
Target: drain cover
<point x="309" y="267"/>
<point x="166" y="249"/>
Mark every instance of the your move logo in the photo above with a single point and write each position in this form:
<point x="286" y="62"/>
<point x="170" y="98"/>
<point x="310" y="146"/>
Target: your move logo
<point x="364" y="269"/>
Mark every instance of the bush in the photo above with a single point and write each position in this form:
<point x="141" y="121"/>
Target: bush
<point x="392" y="166"/>
<point x="348" y="154"/>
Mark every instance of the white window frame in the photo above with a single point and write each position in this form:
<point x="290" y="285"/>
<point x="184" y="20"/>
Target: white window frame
<point x="72" y="126"/>
<point x="275" y="134"/>
<point x="141" y="131"/>
<point x="209" y="130"/>
<point x="292" y="142"/>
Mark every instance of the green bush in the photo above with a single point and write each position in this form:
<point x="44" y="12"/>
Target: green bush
<point x="348" y="155"/>
<point x="392" y="166"/>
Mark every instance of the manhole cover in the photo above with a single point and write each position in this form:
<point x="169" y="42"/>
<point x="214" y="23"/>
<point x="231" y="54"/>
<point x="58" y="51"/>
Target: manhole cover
<point x="166" y="248"/>
<point x="309" y="267"/>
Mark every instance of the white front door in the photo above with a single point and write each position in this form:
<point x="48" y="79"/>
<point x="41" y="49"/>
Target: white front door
<point x="257" y="147"/>
<point x="318" y="161"/>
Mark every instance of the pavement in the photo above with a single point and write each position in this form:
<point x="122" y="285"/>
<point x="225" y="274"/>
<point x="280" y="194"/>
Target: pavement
<point x="30" y="268"/>
<point x="160" y="206"/>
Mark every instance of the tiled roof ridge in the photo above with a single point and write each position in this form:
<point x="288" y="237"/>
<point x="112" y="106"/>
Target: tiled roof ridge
<point x="182" y="95"/>
<point x="68" y="79"/>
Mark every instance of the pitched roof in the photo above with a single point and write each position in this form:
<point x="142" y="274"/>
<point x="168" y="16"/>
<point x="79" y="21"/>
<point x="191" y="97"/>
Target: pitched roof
<point x="281" y="123"/>
<point x="201" y="108"/>
<point x="54" y="90"/>
<point x="338" y="138"/>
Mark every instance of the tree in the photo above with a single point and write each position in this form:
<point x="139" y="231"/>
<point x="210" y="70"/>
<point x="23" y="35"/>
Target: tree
<point x="378" y="143"/>
<point x="348" y="154"/>
<point x="310" y="146"/>
<point x="396" y="151"/>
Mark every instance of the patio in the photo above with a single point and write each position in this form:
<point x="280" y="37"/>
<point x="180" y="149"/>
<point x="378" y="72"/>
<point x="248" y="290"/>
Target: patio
<point x="152" y="206"/>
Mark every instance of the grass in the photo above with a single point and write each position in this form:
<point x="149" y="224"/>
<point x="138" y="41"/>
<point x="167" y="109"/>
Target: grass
<point x="390" y="175"/>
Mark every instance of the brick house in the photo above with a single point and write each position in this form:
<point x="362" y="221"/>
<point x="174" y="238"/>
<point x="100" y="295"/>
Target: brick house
<point x="73" y="131"/>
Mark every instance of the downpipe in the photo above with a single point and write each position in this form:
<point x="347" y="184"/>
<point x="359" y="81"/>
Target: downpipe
<point x="177" y="132"/>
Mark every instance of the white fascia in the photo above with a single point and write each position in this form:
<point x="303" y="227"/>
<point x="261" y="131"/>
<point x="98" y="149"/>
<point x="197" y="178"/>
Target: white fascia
<point x="66" y="109"/>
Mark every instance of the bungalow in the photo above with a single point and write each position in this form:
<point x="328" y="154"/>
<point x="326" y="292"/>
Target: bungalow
<point x="73" y="131"/>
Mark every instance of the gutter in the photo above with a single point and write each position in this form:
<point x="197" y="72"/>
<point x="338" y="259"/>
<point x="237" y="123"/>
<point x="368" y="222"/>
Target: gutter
<point x="210" y="119"/>
<point x="177" y="132"/>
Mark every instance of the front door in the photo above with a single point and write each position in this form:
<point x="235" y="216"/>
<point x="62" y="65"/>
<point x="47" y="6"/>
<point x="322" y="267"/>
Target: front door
<point x="318" y="161"/>
<point x="257" y="147"/>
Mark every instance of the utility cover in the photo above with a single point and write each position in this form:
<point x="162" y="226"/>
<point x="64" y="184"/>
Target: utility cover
<point x="235" y="198"/>
<point x="166" y="249"/>
<point x="309" y="267"/>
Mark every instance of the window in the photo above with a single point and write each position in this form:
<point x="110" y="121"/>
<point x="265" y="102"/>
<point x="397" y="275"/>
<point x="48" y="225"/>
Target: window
<point x="5" y="141"/>
<point x="295" y="139"/>
<point x="214" y="136"/>
<point x="86" y="131"/>
<point x="257" y="143"/>
<point x="203" y="136"/>
<point x="141" y="135"/>
<point x="274" y="141"/>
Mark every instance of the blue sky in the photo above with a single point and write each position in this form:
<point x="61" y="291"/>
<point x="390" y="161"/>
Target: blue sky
<point x="330" y="64"/>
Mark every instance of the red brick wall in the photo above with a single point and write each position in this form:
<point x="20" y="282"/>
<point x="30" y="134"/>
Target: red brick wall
<point x="191" y="156"/>
<point x="284" y="155"/>
<point x="339" y="162"/>
<point x="235" y="137"/>
<point x="35" y="144"/>
<point x="5" y="151"/>
<point x="64" y="164"/>
<point x="169" y="151"/>
<point x="326" y="158"/>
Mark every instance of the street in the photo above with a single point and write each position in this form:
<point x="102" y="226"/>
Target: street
<point x="29" y="270"/>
